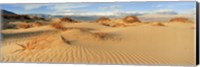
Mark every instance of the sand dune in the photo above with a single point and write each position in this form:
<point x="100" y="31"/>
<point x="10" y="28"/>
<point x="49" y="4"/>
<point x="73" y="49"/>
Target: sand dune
<point x="172" y="44"/>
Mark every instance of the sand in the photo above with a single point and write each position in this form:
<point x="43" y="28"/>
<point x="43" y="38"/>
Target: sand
<point x="93" y="43"/>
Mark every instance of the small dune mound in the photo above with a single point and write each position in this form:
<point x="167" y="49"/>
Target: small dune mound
<point x="55" y="20"/>
<point x="79" y="34"/>
<point x="33" y="44"/>
<point x="180" y="19"/>
<point x="36" y="24"/>
<point x="23" y="25"/>
<point x="58" y="25"/>
<point x="131" y="19"/>
<point x="103" y="20"/>
<point x="101" y="35"/>
<point x="66" y="19"/>
<point x="158" y="24"/>
<point x="119" y="25"/>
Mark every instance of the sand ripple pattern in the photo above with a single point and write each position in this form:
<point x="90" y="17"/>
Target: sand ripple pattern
<point x="87" y="49"/>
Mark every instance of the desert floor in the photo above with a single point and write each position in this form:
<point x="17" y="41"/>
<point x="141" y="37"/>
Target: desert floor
<point x="93" y="43"/>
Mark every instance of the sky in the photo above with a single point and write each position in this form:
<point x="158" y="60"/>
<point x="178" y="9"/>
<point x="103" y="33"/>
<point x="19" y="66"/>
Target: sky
<point x="103" y="8"/>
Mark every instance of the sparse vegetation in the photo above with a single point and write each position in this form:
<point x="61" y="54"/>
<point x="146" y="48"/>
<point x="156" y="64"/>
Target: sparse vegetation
<point x="23" y="25"/>
<point x="65" y="40"/>
<point x="180" y="19"/>
<point x="131" y="19"/>
<point x="104" y="21"/>
<point x="119" y="25"/>
<point x="66" y="19"/>
<point x="36" y="24"/>
<point x="100" y="35"/>
<point x="57" y="23"/>
<point x="159" y="24"/>
<point x="26" y="47"/>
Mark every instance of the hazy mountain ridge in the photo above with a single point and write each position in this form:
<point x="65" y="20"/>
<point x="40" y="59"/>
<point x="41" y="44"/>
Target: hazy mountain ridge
<point x="8" y="16"/>
<point x="159" y="16"/>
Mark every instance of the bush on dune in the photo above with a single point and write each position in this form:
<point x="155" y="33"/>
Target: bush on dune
<point x="36" y="24"/>
<point x="101" y="35"/>
<point x="119" y="25"/>
<point x="159" y="24"/>
<point x="104" y="21"/>
<point x="33" y="43"/>
<point x="66" y="19"/>
<point x="180" y="19"/>
<point x="57" y="23"/>
<point x="23" y="25"/>
<point x="131" y="19"/>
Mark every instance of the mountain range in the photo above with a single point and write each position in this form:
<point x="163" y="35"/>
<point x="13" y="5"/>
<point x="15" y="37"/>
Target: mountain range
<point x="8" y="15"/>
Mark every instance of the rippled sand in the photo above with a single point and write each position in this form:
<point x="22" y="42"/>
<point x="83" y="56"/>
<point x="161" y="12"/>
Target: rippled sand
<point x="171" y="44"/>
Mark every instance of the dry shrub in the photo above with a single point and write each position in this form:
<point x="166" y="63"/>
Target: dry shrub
<point x="36" y="24"/>
<point x="66" y="19"/>
<point x="54" y="20"/>
<point x="65" y="40"/>
<point x="180" y="19"/>
<point x="104" y="21"/>
<point x="33" y="43"/>
<point x="100" y="35"/>
<point x="58" y="25"/>
<point x="131" y="19"/>
<point x="23" y="25"/>
<point x="28" y="46"/>
<point x="105" y="36"/>
<point x="119" y="25"/>
<point x="158" y="24"/>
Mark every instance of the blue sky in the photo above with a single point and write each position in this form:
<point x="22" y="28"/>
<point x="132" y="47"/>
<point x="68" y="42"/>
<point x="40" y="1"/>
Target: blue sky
<point x="101" y="8"/>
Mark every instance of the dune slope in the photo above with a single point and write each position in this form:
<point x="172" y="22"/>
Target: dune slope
<point x="144" y="44"/>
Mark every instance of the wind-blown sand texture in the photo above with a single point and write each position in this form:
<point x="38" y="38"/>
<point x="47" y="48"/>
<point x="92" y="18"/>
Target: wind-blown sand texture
<point x="94" y="43"/>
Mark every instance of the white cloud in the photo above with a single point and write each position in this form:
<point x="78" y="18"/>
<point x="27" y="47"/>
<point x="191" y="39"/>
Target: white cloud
<point x="32" y="6"/>
<point x="103" y="8"/>
<point x="165" y="11"/>
<point x="54" y="7"/>
<point x="113" y="12"/>
<point x="87" y="13"/>
<point x="106" y="13"/>
<point x="115" y="7"/>
<point x="68" y="9"/>
<point x="60" y="7"/>
<point x="111" y="8"/>
<point x="158" y="6"/>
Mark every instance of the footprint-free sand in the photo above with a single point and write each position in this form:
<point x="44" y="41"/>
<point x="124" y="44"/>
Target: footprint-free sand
<point x="93" y="43"/>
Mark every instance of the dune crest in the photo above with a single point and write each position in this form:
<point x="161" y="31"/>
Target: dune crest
<point x="118" y="43"/>
<point x="131" y="19"/>
<point x="180" y="19"/>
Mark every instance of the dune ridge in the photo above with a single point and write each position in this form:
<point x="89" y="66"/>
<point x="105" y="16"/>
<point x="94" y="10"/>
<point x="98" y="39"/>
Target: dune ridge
<point x="161" y="43"/>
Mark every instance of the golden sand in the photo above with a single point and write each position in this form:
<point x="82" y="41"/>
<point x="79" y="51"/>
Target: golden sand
<point x="171" y="44"/>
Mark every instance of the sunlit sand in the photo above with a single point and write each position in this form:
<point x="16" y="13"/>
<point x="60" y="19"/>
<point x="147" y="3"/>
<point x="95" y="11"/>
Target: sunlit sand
<point x="118" y="42"/>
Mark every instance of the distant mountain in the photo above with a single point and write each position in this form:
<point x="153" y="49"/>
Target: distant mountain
<point x="45" y="16"/>
<point x="78" y="18"/>
<point x="7" y="12"/>
<point x="8" y="16"/>
<point x="167" y="13"/>
<point x="75" y="17"/>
